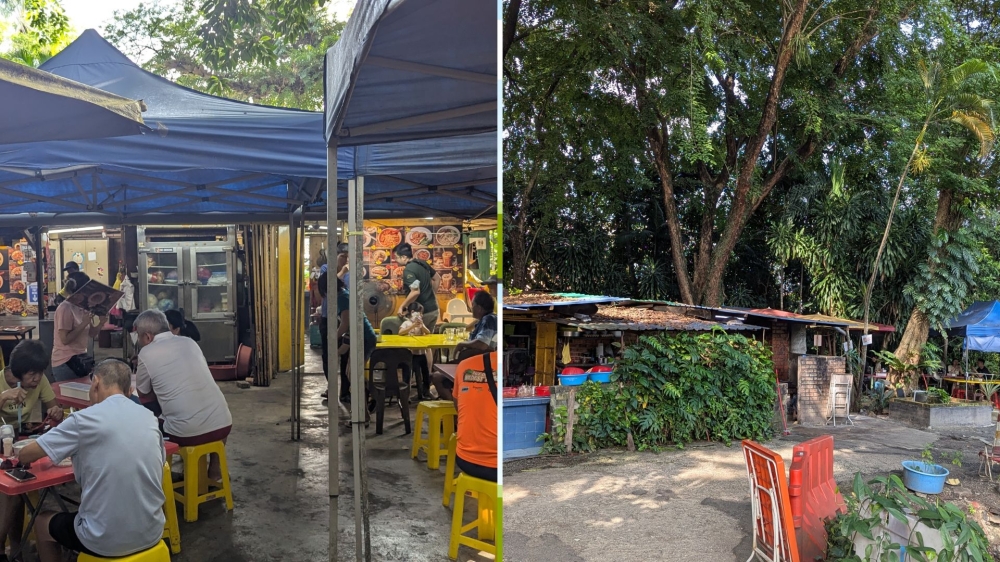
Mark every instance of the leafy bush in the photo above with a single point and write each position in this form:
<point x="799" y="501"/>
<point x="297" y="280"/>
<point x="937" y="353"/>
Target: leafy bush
<point x="871" y="504"/>
<point x="674" y="389"/>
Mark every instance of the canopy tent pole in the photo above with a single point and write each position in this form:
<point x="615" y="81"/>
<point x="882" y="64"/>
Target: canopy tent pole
<point x="333" y="384"/>
<point x="355" y="213"/>
<point x="296" y="409"/>
<point x="302" y="311"/>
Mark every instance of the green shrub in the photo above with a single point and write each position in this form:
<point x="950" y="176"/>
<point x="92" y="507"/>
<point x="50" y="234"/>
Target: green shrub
<point x="671" y="389"/>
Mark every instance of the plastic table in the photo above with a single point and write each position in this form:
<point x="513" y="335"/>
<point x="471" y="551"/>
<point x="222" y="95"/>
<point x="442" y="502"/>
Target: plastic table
<point x="47" y="477"/>
<point x="430" y="341"/>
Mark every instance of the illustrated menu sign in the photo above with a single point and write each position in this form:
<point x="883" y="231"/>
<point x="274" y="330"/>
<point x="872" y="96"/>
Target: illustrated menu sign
<point x="439" y="246"/>
<point x="17" y="273"/>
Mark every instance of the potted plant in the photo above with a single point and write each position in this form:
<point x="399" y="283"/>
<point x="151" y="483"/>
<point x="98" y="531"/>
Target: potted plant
<point x="937" y="396"/>
<point x="924" y="476"/>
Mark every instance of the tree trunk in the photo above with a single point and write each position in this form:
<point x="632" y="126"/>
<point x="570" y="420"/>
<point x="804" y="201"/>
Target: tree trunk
<point x="914" y="338"/>
<point x="518" y="271"/>
<point x="918" y="326"/>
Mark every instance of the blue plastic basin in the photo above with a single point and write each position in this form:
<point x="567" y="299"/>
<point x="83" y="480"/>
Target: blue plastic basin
<point x="600" y="377"/>
<point x="923" y="477"/>
<point x="572" y="380"/>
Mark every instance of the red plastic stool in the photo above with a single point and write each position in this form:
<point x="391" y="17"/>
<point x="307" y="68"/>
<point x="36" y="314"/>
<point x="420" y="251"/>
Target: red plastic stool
<point x="958" y="393"/>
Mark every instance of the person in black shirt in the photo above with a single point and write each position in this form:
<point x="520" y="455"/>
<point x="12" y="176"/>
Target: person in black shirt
<point x="181" y="327"/>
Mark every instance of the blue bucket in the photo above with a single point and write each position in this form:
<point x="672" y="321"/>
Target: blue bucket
<point x="600" y="377"/>
<point x="924" y="477"/>
<point x="572" y="380"/>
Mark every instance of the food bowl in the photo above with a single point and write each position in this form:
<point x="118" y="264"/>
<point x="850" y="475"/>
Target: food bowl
<point x="572" y="380"/>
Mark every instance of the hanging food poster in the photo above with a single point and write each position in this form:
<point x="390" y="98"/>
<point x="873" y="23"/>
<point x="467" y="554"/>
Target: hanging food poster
<point x="439" y="246"/>
<point x="17" y="262"/>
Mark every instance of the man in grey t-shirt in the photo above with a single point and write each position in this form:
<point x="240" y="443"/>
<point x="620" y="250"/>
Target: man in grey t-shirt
<point x="118" y="459"/>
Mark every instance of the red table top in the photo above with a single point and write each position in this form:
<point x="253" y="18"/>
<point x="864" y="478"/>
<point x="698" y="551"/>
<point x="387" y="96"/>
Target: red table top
<point x="48" y="475"/>
<point x="69" y="401"/>
<point x="65" y="401"/>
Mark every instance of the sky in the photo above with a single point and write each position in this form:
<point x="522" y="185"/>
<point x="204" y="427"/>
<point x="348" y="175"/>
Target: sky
<point x="86" y="14"/>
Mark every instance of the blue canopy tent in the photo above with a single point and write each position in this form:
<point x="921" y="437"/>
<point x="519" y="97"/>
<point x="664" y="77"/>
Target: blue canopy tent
<point x="403" y="70"/>
<point x="979" y="325"/>
<point x="224" y="160"/>
<point x="39" y="106"/>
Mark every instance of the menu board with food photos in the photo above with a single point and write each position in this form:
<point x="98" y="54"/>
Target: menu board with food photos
<point x="439" y="246"/>
<point x="17" y="272"/>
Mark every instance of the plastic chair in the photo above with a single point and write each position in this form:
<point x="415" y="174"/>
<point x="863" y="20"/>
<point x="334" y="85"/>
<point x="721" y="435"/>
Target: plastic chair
<point x="385" y="381"/>
<point x="489" y="524"/>
<point x="390" y="325"/>
<point x="158" y="553"/>
<point x="196" y="485"/>
<point x="439" y="413"/>
<point x="171" y="529"/>
<point x="957" y="392"/>
<point x="458" y="311"/>
<point x="449" y="470"/>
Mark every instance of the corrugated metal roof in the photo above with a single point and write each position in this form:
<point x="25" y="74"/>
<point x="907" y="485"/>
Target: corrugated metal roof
<point x="776" y="314"/>
<point x="551" y="300"/>
<point x="640" y="318"/>
<point x="852" y="324"/>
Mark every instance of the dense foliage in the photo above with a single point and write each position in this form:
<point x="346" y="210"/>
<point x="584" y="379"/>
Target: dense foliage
<point x="32" y="31"/>
<point x="788" y="154"/>
<point x="267" y="63"/>
<point x="869" y="505"/>
<point x="674" y="389"/>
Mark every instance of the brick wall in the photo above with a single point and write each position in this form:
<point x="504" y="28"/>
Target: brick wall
<point x="584" y="346"/>
<point x="815" y="372"/>
<point x="780" y="344"/>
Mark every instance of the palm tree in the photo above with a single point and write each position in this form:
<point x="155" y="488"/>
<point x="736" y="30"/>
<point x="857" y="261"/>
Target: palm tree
<point x="950" y="103"/>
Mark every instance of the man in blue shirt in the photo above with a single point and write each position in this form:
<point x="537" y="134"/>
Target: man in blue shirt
<point x="481" y="340"/>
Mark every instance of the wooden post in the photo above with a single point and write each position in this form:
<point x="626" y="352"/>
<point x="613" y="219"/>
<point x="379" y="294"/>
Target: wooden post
<point x="570" y="415"/>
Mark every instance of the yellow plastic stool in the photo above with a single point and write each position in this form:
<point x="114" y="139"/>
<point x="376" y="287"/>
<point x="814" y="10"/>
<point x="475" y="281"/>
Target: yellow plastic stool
<point x="487" y="524"/>
<point x="449" y="471"/>
<point x="171" y="529"/>
<point x="158" y="553"/>
<point x="438" y="412"/>
<point x="196" y="484"/>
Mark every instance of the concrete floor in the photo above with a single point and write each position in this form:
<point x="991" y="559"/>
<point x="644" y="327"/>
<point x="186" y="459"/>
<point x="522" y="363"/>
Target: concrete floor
<point x="689" y="505"/>
<point x="281" y="493"/>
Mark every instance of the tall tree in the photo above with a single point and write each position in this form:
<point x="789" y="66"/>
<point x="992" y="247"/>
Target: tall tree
<point x="734" y="95"/>
<point x="169" y="41"/>
<point x="32" y="31"/>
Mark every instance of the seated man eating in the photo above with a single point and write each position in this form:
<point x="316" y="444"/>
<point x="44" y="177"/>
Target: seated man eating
<point x="118" y="458"/>
<point x="174" y="370"/>
<point x="480" y="340"/>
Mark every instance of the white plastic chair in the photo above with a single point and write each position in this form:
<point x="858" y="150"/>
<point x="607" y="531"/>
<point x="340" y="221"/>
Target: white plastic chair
<point x="457" y="311"/>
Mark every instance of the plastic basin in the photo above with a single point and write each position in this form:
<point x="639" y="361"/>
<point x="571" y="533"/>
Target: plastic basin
<point x="923" y="477"/>
<point x="600" y="377"/>
<point x="573" y="380"/>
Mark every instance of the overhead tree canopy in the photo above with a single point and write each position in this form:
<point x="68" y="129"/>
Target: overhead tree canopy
<point x="748" y="153"/>
<point x="247" y="51"/>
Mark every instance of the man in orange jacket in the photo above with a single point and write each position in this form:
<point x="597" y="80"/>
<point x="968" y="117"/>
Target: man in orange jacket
<point x="475" y="398"/>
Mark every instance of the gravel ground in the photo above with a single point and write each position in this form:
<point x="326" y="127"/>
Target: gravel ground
<point x="694" y="504"/>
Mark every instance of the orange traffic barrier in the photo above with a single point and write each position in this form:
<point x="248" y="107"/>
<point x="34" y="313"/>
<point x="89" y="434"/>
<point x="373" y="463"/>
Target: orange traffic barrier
<point x="813" y="493"/>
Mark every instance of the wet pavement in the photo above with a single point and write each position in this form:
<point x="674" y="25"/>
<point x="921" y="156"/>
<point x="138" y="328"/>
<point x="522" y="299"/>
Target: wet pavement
<point x="680" y="505"/>
<point x="281" y="494"/>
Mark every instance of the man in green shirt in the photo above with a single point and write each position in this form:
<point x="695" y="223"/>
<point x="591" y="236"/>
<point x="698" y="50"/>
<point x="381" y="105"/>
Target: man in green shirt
<point x="420" y="282"/>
